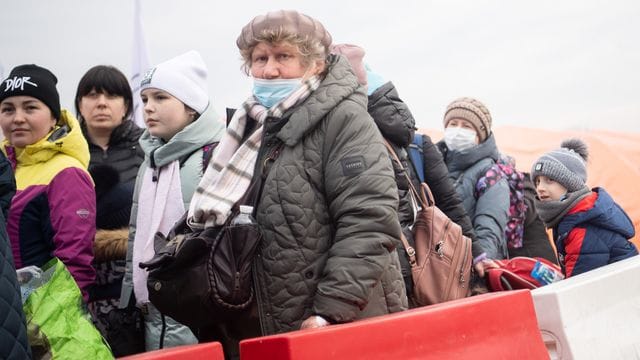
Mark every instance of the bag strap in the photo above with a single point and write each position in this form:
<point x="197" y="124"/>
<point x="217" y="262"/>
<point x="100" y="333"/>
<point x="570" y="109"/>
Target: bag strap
<point x="424" y="197"/>
<point x="416" y="154"/>
<point x="207" y="153"/>
<point x="254" y="191"/>
<point x="500" y="279"/>
<point x="230" y="112"/>
<point x="411" y="252"/>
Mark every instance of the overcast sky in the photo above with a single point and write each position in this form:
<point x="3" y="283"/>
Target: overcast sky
<point x="560" y="64"/>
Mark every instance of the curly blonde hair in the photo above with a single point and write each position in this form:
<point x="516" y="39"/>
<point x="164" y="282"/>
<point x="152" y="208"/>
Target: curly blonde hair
<point x="310" y="48"/>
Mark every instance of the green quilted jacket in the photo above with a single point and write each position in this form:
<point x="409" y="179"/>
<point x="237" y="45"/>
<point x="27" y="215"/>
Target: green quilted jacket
<point x="328" y="212"/>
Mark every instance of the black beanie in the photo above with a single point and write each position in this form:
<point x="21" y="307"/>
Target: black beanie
<point x="32" y="80"/>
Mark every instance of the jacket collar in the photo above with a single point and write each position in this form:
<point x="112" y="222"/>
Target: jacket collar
<point x="604" y="213"/>
<point x="128" y="131"/>
<point x="208" y="128"/>
<point x="338" y="84"/>
<point x="72" y="143"/>
<point x="462" y="160"/>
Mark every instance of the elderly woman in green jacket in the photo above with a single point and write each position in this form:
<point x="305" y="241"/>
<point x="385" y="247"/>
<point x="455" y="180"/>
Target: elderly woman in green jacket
<point x="328" y="207"/>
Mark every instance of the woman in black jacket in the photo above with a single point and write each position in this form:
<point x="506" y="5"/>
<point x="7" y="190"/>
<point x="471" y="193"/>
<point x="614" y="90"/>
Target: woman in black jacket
<point x="104" y="105"/>
<point x="14" y="344"/>
<point x="397" y="125"/>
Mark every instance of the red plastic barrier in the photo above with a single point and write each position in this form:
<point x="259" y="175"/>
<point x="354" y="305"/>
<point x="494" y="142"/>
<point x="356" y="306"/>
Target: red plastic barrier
<point x="499" y="325"/>
<point x="209" y="351"/>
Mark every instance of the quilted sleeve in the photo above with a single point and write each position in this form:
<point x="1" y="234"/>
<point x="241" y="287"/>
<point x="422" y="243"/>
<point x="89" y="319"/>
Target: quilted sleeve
<point x="362" y="197"/>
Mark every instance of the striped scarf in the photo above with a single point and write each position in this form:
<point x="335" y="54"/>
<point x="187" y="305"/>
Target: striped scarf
<point x="230" y="171"/>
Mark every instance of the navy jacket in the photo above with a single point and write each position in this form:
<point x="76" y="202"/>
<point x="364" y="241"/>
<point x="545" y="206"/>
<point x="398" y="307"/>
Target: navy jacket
<point x="594" y="233"/>
<point x="13" y="331"/>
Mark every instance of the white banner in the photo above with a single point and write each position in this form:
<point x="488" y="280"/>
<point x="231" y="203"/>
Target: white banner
<point x="139" y="65"/>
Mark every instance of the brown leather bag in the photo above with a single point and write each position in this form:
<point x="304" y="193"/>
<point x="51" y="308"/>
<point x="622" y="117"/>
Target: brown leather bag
<point x="441" y="259"/>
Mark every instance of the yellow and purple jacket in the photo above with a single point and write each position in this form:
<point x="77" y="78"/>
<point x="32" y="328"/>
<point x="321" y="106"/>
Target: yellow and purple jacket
<point x="53" y="211"/>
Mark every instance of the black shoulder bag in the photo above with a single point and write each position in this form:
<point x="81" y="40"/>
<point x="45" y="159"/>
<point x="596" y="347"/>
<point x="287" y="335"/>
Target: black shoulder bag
<point x="204" y="276"/>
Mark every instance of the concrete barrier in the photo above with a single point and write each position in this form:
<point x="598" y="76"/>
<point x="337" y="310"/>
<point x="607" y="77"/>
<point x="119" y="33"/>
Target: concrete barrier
<point x="493" y="326"/>
<point x="594" y="315"/>
<point x="209" y="351"/>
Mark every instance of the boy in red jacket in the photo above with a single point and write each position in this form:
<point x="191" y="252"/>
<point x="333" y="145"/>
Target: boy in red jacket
<point x="590" y="230"/>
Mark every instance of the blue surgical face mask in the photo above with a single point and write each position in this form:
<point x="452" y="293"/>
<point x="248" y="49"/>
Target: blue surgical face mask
<point x="271" y="92"/>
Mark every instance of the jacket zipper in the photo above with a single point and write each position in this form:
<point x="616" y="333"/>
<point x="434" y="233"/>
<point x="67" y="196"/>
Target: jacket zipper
<point x="257" y="295"/>
<point x="450" y="281"/>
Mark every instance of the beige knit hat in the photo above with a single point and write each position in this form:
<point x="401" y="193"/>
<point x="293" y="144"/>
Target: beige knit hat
<point x="288" y="20"/>
<point x="473" y="111"/>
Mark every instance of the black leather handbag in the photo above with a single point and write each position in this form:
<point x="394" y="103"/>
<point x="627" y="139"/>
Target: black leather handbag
<point x="196" y="277"/>
<point x="205" y="276"/>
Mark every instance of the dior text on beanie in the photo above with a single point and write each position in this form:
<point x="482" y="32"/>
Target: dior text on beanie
<point x="32" y="80"/>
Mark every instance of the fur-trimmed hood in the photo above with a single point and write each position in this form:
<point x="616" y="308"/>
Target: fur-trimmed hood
<point x="110" y="245"/>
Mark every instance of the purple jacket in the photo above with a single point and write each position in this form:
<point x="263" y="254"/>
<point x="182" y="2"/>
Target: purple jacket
<point x="53" y="210"/>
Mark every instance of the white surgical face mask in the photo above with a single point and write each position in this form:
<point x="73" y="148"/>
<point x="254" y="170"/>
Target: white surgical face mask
<point x="459" y="139"/>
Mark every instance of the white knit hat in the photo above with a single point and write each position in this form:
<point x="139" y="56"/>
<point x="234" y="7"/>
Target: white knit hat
<point x="184" y="77"/>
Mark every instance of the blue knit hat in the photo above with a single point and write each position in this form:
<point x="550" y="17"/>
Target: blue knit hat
<point x="566" y="165"/>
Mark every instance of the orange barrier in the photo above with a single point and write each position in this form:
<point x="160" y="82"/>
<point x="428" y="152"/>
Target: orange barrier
<point x="209" y="351"/>
<point x="499" y="325"/>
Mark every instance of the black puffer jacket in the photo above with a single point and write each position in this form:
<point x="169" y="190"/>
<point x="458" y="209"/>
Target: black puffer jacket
<point x="124" y="153"/>
<point x="13" y="332"/>
<point x="443" y="188"/>
<point x="397" y="125"/>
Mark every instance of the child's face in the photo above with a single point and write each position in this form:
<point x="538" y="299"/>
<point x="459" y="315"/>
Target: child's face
<point x="164" y="114"/>
<point x="548" y="189"/>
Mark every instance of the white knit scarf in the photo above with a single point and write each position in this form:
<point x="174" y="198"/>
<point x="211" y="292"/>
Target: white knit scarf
<point x="160" y="206"/>
<point x="230" y="171"/>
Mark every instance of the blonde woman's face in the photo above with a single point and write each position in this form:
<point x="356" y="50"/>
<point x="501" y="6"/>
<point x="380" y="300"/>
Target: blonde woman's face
<point x="282" y="61"/>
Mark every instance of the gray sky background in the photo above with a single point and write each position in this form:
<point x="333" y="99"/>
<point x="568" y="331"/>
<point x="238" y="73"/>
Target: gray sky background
<point x="558" y="64"/>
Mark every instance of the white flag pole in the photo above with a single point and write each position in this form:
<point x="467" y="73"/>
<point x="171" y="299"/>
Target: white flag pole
<point x="140" y="63"/>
